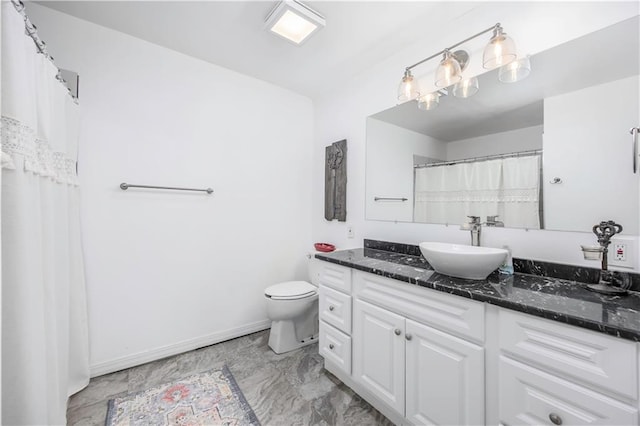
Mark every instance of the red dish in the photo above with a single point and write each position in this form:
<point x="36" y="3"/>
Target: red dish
<point x="324" y="247"/>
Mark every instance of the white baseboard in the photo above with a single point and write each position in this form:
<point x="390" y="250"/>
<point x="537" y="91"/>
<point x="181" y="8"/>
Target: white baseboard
<point x="139" y="358"/>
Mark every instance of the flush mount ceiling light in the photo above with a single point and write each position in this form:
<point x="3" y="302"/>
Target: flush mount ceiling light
<point x="294" y="21"/>
<point x="499" y="52"/>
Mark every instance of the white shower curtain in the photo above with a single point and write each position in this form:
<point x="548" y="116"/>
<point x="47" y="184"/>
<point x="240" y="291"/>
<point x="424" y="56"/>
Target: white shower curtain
<point x="509" y="188"/>
<point x="44" y="320"/>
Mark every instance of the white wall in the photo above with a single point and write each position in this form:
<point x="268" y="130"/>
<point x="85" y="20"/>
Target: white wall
<point x="593" y="131"/>
<point x="170" y="271"/>
<point x="535" y="26"/>
<point x="390" y="151"/>
<point x="525" y="139"/>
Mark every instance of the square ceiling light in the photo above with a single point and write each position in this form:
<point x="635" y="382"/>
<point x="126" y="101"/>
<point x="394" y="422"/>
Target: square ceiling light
<point x="294" y="21"/>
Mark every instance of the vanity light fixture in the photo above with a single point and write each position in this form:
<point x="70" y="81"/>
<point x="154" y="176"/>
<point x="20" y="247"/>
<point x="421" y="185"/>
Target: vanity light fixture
<point x="294" y="21"/>
<point x="499" y="52"/>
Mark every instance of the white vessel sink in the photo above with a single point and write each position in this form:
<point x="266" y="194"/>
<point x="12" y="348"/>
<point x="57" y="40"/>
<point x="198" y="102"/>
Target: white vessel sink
<point x="457" y="260"/>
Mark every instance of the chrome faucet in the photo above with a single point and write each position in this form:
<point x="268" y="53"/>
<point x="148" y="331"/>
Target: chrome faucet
<point x="492" y="221"/>
<point x="474" y="225"/>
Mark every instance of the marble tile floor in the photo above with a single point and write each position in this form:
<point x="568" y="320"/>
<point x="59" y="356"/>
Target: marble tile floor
<point x="287" y="389"/>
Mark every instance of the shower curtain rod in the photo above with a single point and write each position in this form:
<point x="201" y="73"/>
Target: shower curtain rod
<point x="474" y="159"/>
<point x="32" y="31"/>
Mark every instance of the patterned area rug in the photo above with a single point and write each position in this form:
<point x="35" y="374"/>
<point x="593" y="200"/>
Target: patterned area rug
<point x="210" y="398"/>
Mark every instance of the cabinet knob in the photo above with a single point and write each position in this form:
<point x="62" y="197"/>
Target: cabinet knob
<point x="331" y="346"/>
<point x="408" y="336"/>
<point x="397" y="331"/>
<point x="331" y="308"/>
<point x="555" y="419"/>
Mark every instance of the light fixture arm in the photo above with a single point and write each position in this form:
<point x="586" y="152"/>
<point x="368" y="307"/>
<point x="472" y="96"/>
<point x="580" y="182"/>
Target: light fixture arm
<point x="496" y="28"/>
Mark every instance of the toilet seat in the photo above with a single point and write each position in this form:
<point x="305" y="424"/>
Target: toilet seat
<point x="290" y="290"/>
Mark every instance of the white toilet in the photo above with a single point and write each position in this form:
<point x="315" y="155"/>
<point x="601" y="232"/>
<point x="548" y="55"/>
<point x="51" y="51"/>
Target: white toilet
<point x="292" y="307"/>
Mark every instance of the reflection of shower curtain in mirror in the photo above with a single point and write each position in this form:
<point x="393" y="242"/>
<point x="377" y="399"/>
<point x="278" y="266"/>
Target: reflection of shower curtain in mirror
<point x="508" y="187"/>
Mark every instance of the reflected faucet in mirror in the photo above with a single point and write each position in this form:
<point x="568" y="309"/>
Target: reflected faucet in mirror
<point x="475" y="226"/>
<point x="493" y="221"/>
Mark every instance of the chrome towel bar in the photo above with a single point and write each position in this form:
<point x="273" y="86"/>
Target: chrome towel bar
<point x="124" y="186"/>
<point x="389" y="199"/>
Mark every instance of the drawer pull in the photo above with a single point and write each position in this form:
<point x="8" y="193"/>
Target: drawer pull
<point x="397" y="331"/>
<point x="555" y="419"/>
<point x="331" y="308"/>
<point x="408" y="336"/>
<point x="331" y="346"/>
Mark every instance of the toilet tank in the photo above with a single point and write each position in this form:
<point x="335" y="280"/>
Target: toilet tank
<point x="314" y="269"/>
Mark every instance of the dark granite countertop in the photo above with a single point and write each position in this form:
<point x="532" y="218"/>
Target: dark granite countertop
<point x="552" y="298"/>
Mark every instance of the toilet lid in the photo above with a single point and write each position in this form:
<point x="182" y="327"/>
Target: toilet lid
<point x="290" y="290"/>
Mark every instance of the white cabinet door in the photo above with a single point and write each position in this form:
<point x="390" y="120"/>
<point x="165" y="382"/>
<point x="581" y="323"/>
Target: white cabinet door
<point x="529" y="396"/>
<point x="445" y="378"/>
<point x="378" y="353"/>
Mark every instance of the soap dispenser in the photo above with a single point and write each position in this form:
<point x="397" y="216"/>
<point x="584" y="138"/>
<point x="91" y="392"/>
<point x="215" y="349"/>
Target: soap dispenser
<point x="507" y="267"/>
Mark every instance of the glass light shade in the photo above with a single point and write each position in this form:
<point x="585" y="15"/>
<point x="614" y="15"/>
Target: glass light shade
<point x="466" y="88"/>
<point x="449" y="71"/>
<point x="500" y="51"/>
<point x="429" y="101"/>
<point x="408" y="89"/>
<point x="515" y="71"/>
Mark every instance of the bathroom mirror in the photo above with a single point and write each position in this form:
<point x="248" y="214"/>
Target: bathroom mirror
<point x="552" y="151"/>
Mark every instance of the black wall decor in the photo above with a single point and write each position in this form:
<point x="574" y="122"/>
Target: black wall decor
<point x="335" y="181"/>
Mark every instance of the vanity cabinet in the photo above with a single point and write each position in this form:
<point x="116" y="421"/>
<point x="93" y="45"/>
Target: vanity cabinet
<point x="422" y="356"/>
<point x="551" y="373"/>
<point x="402" y="357"/>
<point x="334" y="307"/>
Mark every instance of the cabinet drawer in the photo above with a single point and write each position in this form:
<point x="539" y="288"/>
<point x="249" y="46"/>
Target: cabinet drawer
<point x="532" y="397"/>
<point x="335" y="276"/>
<point x="335" y="309"/>
<point x="452" y="314"/>
<point x="587" y="356"/>
<point x="335" y="346"/>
